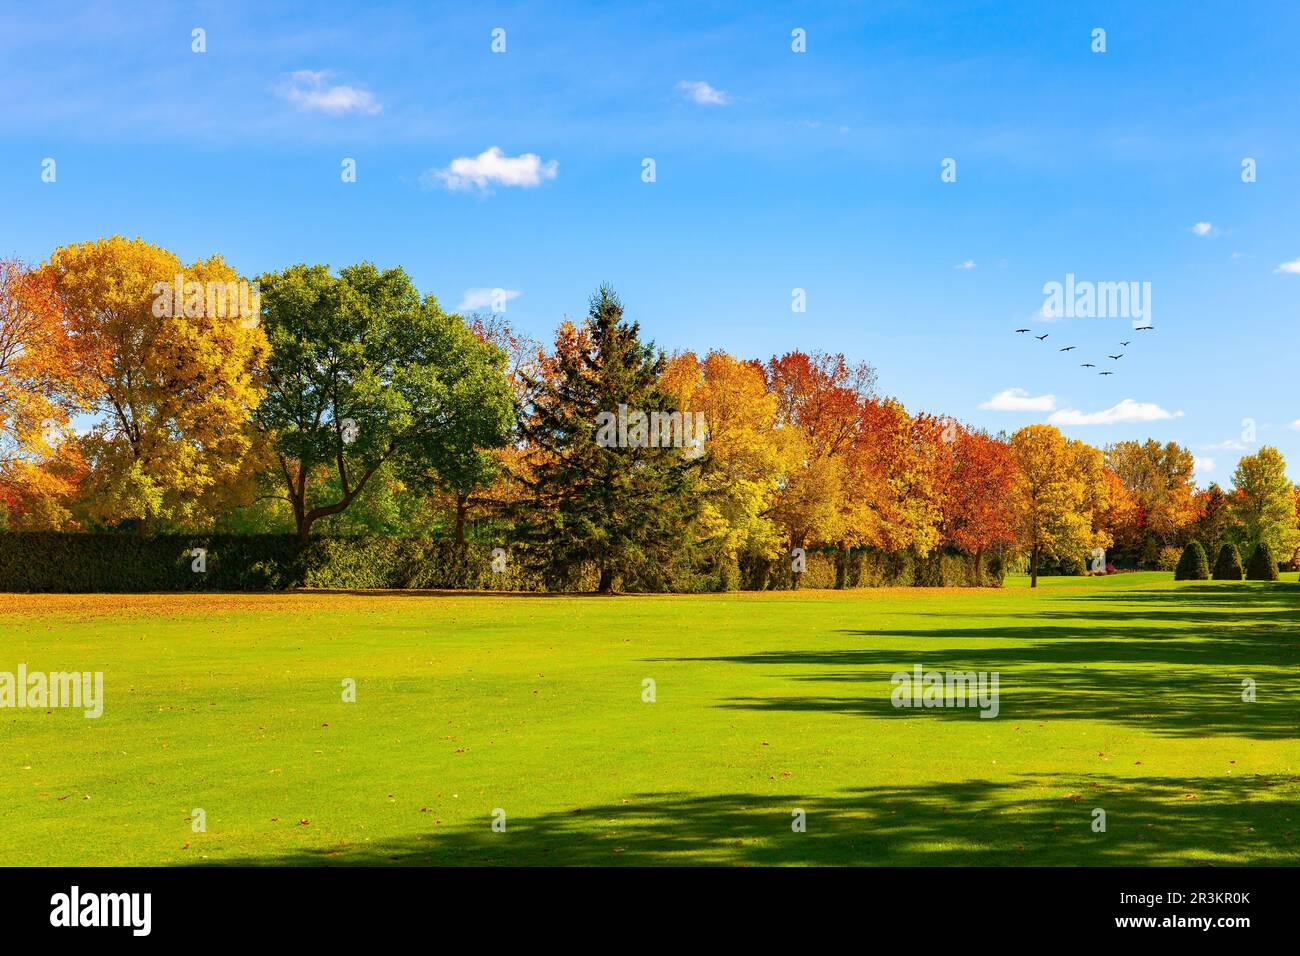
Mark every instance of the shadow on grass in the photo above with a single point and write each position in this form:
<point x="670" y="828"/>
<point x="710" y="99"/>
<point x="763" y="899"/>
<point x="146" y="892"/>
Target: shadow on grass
<point x="1167" y="661"/>
<point x="1032" y="820"/>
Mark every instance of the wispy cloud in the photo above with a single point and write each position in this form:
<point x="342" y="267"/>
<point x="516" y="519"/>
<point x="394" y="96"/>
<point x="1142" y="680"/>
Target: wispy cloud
<point x="1295" y="425"/>
<point x="1126" y="411"/>
<point x="1292" y="267"/>
<point x="1230" y="444"/>
<point x="1019" y="400"/>
<point x="311" y="90"/>
<point x="968" y="264"/>
<point x="492" y="167"/>
<point x="482" y="298"/>
<point x="697" y="91"/>
<point x="1204" y="230"/>
<point x="1203" y="465"/>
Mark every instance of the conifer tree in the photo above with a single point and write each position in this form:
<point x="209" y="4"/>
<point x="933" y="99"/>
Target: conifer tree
<point x="601" y="491"/>
<point x="1227" y="567"/>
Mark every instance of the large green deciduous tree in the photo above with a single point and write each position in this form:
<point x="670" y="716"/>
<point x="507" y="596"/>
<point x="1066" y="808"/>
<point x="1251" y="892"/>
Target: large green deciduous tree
<point x="364" y="372"/>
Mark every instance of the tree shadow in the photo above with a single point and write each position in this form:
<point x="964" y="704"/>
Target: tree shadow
<point x="1168" y="662"/>
<point x="1031" y="820"/>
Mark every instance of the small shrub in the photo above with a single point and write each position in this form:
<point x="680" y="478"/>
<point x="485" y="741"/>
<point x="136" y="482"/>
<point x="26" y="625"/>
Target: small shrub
<point x="1227" y="566"/>
<point x="1262" y="566"/>
<point x="1193" y="565"/>
<point x="1168" y="558"/>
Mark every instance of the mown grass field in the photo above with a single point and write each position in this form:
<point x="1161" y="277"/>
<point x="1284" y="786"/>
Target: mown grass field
<point x="1119" y="693"/>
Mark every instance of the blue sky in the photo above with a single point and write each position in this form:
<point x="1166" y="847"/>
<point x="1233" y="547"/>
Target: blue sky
<point x="775" y="170"/>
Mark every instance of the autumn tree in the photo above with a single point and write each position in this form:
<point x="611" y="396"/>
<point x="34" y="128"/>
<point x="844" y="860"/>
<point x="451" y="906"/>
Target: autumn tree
<point x="1264" y="505"/>
<point x="363" y="372"/>
<point x="979" y="478"/>
<point x="822" y="401"/>
<point x="1214" y="520"/>
<point x="1056" y="504"/>
<point x="1159" y="477"/>
<point x="747" y="455"/>
<point x="169" y="379"/>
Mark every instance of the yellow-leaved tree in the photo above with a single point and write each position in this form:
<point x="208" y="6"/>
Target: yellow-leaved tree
<point x="747" y="455"/>
<point x="1061" y="495"/>
<point x="171" y="351"/>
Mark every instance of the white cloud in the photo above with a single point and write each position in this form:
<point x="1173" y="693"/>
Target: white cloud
<point x="1293" y="267"/>
<point x="702" y="93"/>
<point x="1019" y="400"/>
<point x="492" y="167"/>
<point x="310" y="90"/>
<point x="968" y="264"/>
<point x="483" y="298"/>
<point x="1045" y="315"/>
<point x="1126" y="411"/>
<point x="1204" y="229"/>
<point x="1203" y="465"/>
<point x="1295" y="425"/>
<point x="1231" y="444"/>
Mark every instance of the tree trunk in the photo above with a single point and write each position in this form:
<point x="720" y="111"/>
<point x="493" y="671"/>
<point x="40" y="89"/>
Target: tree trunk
<point x="606" y="585"/>
<point x="1033" y="568"/>
<point x="979" y="568"/>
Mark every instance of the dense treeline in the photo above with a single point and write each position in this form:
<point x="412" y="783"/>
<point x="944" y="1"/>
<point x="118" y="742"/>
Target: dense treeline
<point x="146" y="397"/>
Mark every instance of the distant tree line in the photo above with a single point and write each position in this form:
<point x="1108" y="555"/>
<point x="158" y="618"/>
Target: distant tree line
<point x="348" y="403"/>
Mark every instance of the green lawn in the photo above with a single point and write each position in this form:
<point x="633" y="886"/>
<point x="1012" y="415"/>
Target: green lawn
<point x="1120" y="693"/>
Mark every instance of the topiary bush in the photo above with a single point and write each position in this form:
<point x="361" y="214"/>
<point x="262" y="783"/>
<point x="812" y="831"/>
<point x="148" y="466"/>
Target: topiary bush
<point x="1262" y="566"/>
<point x="1227" y="566"/>
<point x="1193" y="565"/>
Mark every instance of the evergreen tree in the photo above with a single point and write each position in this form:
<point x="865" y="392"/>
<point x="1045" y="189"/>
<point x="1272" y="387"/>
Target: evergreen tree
<point x="1227" y="567"/>
<point x="1262" y="567"/>
<point x="601" y="495"/>
<point x="1193" y="565"/>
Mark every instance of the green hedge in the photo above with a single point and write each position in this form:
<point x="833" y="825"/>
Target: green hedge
<point x="40" y="561"/>
<point x="869" y="568"/>
<point x="57" y="562"/>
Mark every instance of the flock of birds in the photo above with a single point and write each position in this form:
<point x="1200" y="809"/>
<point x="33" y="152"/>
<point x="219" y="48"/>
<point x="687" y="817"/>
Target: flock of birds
<point x="1070" y="348"/>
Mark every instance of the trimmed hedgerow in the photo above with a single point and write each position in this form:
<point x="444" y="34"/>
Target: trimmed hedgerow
<point x="1193" y="565"/>
<point x="1227" y="566"/>
<point x="40" y="561"/>
<point x="59" y="562"/>
<point x="1262" y="566"/>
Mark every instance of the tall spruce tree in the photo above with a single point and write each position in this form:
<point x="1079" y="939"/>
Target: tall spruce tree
<point x="619" y="506"/>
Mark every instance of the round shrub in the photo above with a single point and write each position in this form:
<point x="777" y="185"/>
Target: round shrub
<point x="1261" y="567"/>
<point x="1227" y="566"/>
<point x="1193" y="565"/>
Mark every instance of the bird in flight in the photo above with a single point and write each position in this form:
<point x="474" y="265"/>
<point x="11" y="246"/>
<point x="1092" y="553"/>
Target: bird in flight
<point x="1105" y="373"/>
<point x="1068" y="348"/>
<point x="1117" y="357"/>
<point x="1145" y="328"/>
<point x="1043" y="336"/>
<point x="1022" y="330"/>
<point x="1087" y="365"/>
<point x="1124" y="344"/>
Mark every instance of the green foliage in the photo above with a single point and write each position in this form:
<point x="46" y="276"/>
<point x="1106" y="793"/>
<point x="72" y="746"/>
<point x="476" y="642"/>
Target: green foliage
<point x="362" y="373"/>
<point x="1227" y="566"/>
<point x="1262" y="565"/>
<point x="1193" y="565"/>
